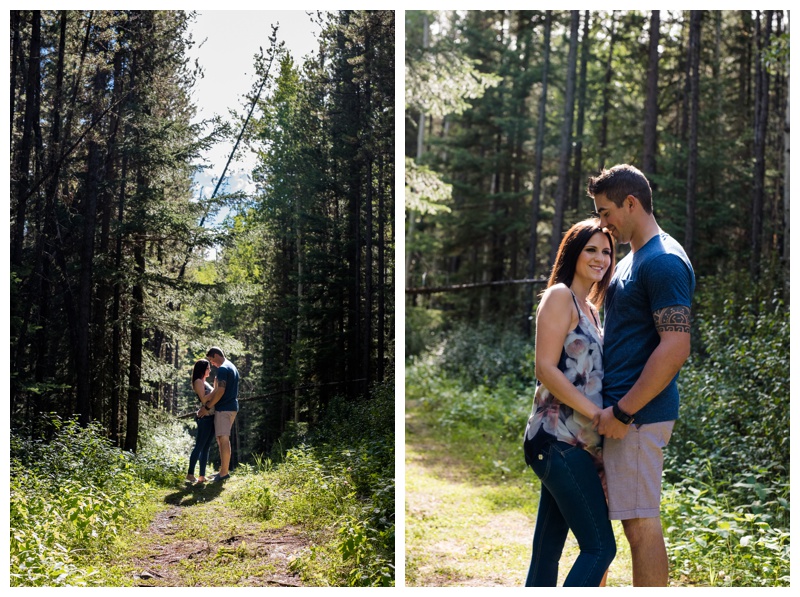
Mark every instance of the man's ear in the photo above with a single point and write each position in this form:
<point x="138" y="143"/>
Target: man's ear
<point x="631" y="200"/>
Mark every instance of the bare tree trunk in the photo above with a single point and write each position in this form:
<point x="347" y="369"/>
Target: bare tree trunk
<point x="537" y="179"/>
<point x="137" y="341"/>
<point x="381" y="272"/>
<point x="577" y="172"/>
<point x="760" y="136"/>
<point x="694" y="87"/>
<point x="786" y="195"/>
<point x="410" y="215"/>
<point x="612" y="38"/>
<point x="22" y="154"/>
<point x="651" y="101"/>
<point x="566" y="137"/>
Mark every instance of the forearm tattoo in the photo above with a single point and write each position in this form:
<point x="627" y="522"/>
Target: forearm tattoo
<point x="673" y="319"/>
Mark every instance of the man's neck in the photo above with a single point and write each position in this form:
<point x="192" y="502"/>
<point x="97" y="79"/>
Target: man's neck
<point x="645" y="232"/>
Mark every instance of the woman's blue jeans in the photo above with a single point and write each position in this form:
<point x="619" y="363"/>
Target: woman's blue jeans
<point x="572" y="499"/>
<point x="205" y="435"/>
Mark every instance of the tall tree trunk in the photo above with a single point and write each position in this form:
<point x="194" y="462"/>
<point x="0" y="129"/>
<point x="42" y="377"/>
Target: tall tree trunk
<point x="48" y="216"/>
<point x="22" y="154"/>
<point x="760" y="136"/>
<point x="786" y="195"/>
<point x="691" y="177"/>
<point x="94" y="176"/>
<point x="651" y="100"/>
<point x="381" y="272"/>
<point x="566" y="137"/>
<point x="410" y="214"/>
<point x="137" y="343"/>
<point x="577" y="172"/>
<point x="16" y="59"/>
<point x="537" y="177"/>
<point x="298" y="357"/>
<point x="609" y="73"/>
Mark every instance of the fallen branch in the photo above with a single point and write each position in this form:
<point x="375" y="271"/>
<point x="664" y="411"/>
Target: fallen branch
<point x="456" y="287"/>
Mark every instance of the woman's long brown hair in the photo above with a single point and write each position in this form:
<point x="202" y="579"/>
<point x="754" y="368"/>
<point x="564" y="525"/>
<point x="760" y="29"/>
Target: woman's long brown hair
<point x="570" y="249"/>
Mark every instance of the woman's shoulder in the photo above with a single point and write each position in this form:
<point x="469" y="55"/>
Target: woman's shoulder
<point x="557" y="294"/>
<point x="557" y="301"/>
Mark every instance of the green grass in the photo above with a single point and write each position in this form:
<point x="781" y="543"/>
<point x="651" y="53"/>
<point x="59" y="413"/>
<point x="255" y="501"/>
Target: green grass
<point x="471" y="501"/>
<point x="84" y="513"/>
<point x="725" y="498"/>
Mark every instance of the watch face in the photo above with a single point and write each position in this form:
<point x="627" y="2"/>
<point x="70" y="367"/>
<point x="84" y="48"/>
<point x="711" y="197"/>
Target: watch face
<point x="621" y="416"/>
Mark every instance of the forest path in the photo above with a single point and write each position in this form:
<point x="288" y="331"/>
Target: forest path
<point x="462" y="530"/>
<point x="199" y="538"/>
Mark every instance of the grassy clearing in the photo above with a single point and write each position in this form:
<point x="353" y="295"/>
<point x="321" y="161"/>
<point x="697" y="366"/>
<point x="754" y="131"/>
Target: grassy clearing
<point x="199" y="537"/>
<point x="471" y="509"/>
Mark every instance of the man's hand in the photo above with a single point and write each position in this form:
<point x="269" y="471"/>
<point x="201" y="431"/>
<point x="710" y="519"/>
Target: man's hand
<point x="607" y="425"/>
<point x="202" y="412"/>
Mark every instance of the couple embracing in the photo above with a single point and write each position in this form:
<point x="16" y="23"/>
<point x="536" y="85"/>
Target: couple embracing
<point x="218" y="407"/>
<point x="607" y="397"/>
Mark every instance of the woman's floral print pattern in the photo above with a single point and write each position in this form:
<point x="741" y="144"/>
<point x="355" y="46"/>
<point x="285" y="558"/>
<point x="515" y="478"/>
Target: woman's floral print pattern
<point x="582" y="363"/>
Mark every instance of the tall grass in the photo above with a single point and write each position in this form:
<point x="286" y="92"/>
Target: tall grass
<point x="337" y="484"/>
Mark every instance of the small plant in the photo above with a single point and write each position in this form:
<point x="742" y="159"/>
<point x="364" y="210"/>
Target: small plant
<point x="69" y="498"/>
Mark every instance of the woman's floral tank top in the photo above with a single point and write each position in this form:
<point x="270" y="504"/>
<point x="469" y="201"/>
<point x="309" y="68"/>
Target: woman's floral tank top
<point x="582" y="363"/>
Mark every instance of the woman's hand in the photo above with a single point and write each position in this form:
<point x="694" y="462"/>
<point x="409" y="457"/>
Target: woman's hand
<point x="596" y="419"/>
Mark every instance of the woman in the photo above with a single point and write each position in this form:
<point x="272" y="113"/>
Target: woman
<point x="561" y="444"/>
<point x="205" y="424"/>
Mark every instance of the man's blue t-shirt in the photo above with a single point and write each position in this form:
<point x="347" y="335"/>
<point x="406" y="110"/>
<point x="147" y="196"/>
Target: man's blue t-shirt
<point x="658" y="275"/>
<point x="228" y="373"/>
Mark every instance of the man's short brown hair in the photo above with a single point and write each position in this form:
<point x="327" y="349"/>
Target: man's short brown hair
<point x="620" y="181"/>
<point x="214" y="351"/>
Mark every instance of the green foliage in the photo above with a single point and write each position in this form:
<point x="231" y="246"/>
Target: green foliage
<point x="425" y="191"/>
<point x="727" y="499"/>
<point x="486" y="354"/>
<point x="460" y="410"/>
<point x="725" y="504"/>
<point x="70" y="497"/>
<point x="422" y="329"/>
<point x="441" y="79"/>
<point x="164" y="446"/>
<point x="339" y="486"/>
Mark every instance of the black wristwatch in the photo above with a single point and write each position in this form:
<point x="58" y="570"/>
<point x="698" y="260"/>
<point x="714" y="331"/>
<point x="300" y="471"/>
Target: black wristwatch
<point x="622" y="416"/>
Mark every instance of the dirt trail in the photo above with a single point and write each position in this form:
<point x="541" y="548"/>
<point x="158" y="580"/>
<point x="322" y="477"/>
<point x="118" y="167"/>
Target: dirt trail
<point x="200" y="539"/>
<point x="464" y="532"/>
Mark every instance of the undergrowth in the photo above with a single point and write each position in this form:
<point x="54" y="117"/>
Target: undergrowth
<point x="75" y="497"/>
<point x="72" y="495"/>
<point x="725" y="506"/>
<point x="339" y="487"/>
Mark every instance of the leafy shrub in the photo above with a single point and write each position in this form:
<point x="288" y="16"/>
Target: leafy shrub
<point x="727" y="494"/>
<point x="422" y="329"/>
<point x="501" y="408"/>
<point x="486" y="354"/>
<point x="164" y="447"/>
<point x="69" y="497"/>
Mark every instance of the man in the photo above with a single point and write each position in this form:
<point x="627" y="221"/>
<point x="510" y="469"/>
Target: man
<point x="647" y="312"/>
<point x="224" y="399"/>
